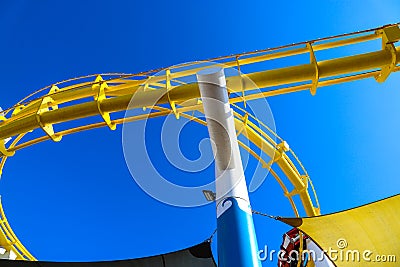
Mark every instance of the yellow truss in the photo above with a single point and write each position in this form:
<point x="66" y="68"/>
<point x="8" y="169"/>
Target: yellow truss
<point x="107" y="95"/>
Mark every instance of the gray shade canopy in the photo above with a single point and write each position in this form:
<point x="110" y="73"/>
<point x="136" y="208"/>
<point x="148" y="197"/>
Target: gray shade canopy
<point x="197" y="256"/>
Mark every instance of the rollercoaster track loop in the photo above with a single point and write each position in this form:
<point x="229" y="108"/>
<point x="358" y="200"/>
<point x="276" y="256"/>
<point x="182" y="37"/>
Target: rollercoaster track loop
<point x="357" y="37"/>
<point x="270" y="150"/>
<point x="121" y="92"/>
<point x="27" y="121"/>
<point x="56" y="104"/>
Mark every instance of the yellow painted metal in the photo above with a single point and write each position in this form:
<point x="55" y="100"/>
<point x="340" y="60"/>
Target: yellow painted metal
<point x="313" y="61"/>
<point x="390" y="35"/>
<point x="113" y="93"/>
<point x="168" y="88"/>
<point x="99" y="88"/>
<point x="47" y="127"/>
<point x="4" y="151"/>
<point x="263" y="79"/>
<point x="9" y="240"/>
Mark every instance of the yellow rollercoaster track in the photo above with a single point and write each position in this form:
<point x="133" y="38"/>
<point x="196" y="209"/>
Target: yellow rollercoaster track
<point x="107" y="96"/>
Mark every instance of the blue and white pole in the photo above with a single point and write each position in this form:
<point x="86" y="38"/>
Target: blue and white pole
<point x="237" y="243"/>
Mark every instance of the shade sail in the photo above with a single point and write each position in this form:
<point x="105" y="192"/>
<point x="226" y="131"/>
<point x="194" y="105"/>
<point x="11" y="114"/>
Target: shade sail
<point x="364" y="236"/>
<point x="196" y="256"/>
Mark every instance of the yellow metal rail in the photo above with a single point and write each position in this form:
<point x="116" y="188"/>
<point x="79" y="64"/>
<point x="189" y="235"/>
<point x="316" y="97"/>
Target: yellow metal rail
<point x="9" y="241"/>
<point x="105" y="96"/>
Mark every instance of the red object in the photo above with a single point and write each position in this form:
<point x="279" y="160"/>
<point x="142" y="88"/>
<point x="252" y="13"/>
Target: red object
<point x="289" y="254"/>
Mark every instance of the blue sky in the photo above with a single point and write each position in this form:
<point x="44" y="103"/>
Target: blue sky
<point x="76" y="200"/>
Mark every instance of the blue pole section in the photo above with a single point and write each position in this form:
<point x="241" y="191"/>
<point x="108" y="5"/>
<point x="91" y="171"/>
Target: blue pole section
<point x="237" y="243"/>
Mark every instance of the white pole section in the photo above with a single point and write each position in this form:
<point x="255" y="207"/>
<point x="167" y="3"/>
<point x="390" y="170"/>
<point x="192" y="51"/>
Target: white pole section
<point x="237" y="243"/>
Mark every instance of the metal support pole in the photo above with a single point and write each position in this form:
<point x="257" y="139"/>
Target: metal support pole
<point x="237" y="243"/>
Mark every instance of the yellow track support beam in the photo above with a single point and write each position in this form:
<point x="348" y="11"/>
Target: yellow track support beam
<point x="282" y="76"/>
<point x="390" y="35"/>
<point x="99" y="96"/>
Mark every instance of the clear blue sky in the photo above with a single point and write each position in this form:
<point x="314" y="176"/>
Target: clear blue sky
<point x="75" y="200"/>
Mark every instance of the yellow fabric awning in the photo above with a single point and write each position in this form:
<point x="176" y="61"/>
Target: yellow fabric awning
<point x="364" y="236"/>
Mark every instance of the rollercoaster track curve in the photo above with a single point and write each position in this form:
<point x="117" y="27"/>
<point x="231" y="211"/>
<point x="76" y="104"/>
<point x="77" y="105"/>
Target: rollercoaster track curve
<point x="107" y="96"/>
